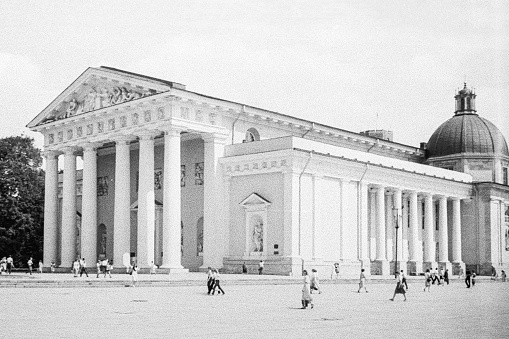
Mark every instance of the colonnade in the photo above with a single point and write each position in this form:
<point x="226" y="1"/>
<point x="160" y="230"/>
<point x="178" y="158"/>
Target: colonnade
<point x="389" y="203"/>
<point x="122" y="200"/>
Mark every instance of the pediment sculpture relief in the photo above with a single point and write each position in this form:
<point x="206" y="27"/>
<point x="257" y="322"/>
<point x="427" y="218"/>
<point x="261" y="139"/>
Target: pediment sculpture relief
<point x="94" y="99"/>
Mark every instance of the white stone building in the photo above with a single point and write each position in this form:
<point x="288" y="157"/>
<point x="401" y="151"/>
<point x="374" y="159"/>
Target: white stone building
<point x="189" y="181"/>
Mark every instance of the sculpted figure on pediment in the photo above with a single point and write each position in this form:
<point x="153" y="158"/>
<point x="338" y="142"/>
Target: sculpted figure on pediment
<point x="89" y="103"/>
<point x="73" y="108"/>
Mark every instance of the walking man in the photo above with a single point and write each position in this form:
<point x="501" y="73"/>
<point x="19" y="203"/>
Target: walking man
<point x="210" y="280"/>
<point x="30" y="263"/>
<point x="83" y="267"/>
<point x="260" y="267"/>
<point x="467" y="278"/>
<point x="403" y="279"/>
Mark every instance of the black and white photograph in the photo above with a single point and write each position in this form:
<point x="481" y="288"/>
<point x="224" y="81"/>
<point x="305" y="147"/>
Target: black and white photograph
<point x="254" y="169"/>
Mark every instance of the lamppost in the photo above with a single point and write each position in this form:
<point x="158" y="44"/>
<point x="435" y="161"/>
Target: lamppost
<point x="395" y="214"/>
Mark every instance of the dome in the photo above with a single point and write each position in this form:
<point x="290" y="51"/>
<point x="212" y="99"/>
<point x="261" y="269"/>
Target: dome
<point x="466" y="133"/>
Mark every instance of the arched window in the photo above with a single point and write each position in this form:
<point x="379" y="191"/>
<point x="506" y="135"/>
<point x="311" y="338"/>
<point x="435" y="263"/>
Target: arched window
<point x="252" y="135"/>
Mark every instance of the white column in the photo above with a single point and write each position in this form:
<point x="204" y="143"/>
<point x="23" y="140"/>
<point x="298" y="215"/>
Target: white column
<point x="50" y="208"/>
<point x="404" y="231"/>
<point x="363" y="225"/>
<point x="399" y="235"/>
<point x="372" y="224"/>
<point x="291" y="216"/>
<point x="214" y="228"/>
<point x="171" y="202"/>
<point x="319" y="214"/>
<point x="146" y="202"/>
<point x="380" y="224"/>
<point x="443" y="255"/>
<point x="68" y="251"/>
<point x="429" y="242"/>
<point x="413" y="235"/>
<point x="389" y="226"/>
<point x="89" y="205"/>
<point x="122" y="207"/>
<point x="456" y="231"/>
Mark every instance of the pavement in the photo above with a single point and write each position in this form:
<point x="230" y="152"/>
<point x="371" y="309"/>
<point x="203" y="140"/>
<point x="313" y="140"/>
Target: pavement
<point x="259" y="309"/>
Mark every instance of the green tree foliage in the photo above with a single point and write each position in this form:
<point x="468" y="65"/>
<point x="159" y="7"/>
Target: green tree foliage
<point x="21" y="200"/>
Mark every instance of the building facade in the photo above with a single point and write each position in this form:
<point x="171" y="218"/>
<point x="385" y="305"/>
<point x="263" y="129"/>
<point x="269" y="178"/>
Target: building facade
<point x="188" y="181"/>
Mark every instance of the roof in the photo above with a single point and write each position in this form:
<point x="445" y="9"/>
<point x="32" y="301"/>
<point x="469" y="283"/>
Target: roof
<point x="466" y="133"/>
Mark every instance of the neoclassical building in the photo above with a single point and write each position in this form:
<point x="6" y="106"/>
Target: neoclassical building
<point x="188" y="181"/>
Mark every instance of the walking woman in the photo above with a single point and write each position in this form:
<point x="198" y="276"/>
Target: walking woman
<point x="399" y="287"/>
<point x="216" y="282"/>
<point x="362" y="282"/>
<point x="134" y="274"/>
<point x="427" y="280"/>
<point x="315" y="284"/>
<point x="307" y="299"/>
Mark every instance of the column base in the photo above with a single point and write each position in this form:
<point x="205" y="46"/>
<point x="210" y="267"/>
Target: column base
<point x="429" y="265"/>
<point x="380" y="267"/>
<point x="414" y="267"/>
<point x="445" y="265"/>
<point x="458" y="268"/>
<point x="402" y="265"/>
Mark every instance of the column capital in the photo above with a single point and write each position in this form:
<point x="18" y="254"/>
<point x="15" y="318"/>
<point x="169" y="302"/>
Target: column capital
<point x="50" y="154"/>
<point x="91" y="146"/>
<point x="172" y="132"/>
<point x="122" y="139"/>
<point x="147" y="134"/>
<point x="71" y="150"/>
<point x="215" y="137"/>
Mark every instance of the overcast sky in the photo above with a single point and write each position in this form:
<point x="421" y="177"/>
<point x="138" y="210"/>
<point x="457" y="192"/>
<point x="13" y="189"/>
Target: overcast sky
<point x="335" y="62"/>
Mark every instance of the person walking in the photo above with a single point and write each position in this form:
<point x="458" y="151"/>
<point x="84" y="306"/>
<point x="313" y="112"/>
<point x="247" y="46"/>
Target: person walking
<point x="3" y="265"/>
<point x="76" y="267"/>
<point x="403" y="279"/>
<point x="40" y="266"/>
<point x="503" y="276"/>
<point x="10" y="264"/>
<point x="468" y="278"/>
<point x="98" y="265"/>
<point x="260" y="267"/>
<point x="30" y="263"/>
<point x="362" y="282"/>
<point x="134" y="274"/>
<point x="215" y="275"/>
<point x="210" y="280"/>
<point x="244" y="268"/>
<point x="446" y="276"/>
<point x="335" y="271"/>
<point x="108" y="269"/>
<point x="427" y="280"/>
<point x="473" y="279"/>
<point x="315" y="283"/>
<point x="399" y="287"/>
<point x="83" y="267"/>
<point x="307" y="298"/>
<point x="440" y="276"/>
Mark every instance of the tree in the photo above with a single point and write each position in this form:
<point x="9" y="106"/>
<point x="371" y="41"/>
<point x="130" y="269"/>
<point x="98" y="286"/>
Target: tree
<point x="21" y="200"/>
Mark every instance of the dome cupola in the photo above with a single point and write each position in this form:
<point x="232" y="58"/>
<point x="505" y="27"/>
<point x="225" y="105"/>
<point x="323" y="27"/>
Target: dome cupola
<point x="466" y="132"/>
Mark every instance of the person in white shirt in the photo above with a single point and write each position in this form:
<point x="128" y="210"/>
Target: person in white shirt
<point x="315" y="284"/>
<point x="216" y="283"/>
<point x="210" y="280"/>
<point x="30" y="263"/>
<point x="335" y="271"/>
<point x="260" y="267"/>
<point x="362" y="282"/>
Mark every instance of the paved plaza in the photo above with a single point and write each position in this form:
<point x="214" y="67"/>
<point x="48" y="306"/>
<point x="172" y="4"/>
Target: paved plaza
<point x="262" y="310"/>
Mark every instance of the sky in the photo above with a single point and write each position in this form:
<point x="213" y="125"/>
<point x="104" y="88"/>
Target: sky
<point x="355" y="65"/>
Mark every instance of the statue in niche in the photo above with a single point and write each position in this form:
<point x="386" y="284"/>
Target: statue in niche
<point x="507" y="239"/>
<point x="103" y="244"/>
<point x="258" y="236"/>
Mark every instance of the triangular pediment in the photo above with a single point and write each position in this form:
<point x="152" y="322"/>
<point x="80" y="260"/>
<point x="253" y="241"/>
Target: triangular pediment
<point x="99" y="88"/>
<point x="254" y="199"/>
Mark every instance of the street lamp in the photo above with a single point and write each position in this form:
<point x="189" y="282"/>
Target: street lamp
<point x="395" y="214"/>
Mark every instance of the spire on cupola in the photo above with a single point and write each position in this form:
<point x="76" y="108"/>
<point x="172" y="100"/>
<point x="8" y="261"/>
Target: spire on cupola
<point x="465" y="101"/>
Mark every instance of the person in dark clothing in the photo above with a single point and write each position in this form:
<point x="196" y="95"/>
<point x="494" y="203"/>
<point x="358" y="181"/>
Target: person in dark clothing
<point x="244" y="268"/>
<point x="446" y="276"/>
<point x="467" y="278"/>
